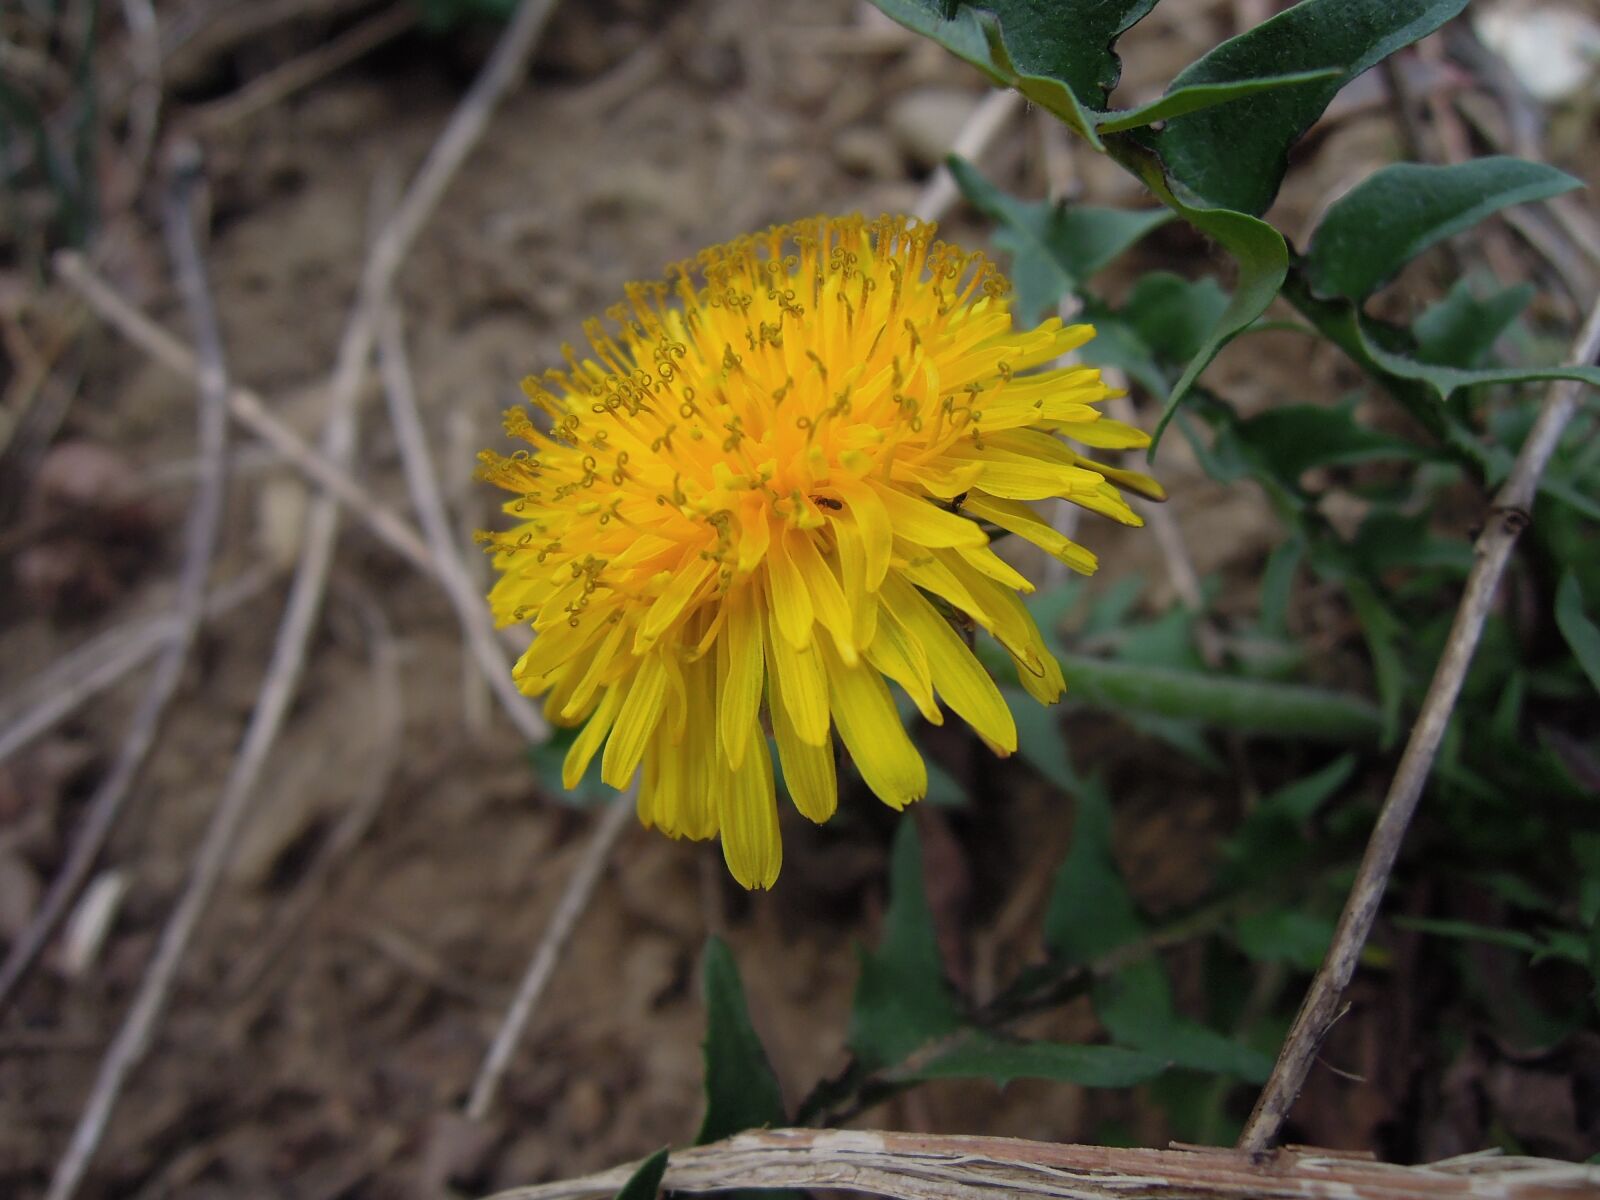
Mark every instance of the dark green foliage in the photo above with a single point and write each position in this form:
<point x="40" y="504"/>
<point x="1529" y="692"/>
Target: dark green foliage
<point x="1234" y="156"/>
<point x="741" y="1091"/>
<point x="986" y="1057"/>
<point x="902" y="1001"/>
<point x="1398" y="212"/>
<point x="645" y="1183"/>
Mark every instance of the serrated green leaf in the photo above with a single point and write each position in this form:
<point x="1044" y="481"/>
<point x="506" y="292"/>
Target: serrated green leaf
<point x="741" y="1090"/>
<point x="983" y="1056"/>
<point x="1296" y="437"/>
<point x="1461" y="329"/>
<point x="1582" y="634"/>
<point x="1197" y="97"/>
<point x="1234" y="156"/>
<point x="1389" y="540"/>
<point x="943" y="789"/>
<point x="1090" y="912"/>
<point x="1285" y="935"/>
<point x="1277" y="585"/>
<point x="1272" y="837"/>
<point x="1398" y="212"/>
<point x="1054" y="248"/>
<point x="1068" y="41"/>
<point x="1172" y="315"/>
<point x="645" y="1182"/>
<point x="902" y="1001"/>
<point x="1554" y="944"/>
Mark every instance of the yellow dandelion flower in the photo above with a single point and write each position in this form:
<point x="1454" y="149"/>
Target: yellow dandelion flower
<point x="763" y="493"/>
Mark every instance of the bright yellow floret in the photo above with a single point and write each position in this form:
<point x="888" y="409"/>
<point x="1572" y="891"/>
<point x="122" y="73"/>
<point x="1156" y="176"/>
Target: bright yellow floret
<point x="762" y="495"/>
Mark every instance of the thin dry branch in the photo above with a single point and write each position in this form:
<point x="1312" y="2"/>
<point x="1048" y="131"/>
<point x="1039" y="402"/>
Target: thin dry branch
<point x="79" y="676"/>
<point x="200" y="542"/>
<point x="574" y="900"/>
<point x="246" y="407"/>
<point x="476" y="624"/>
<point x="1508" y="516"/>
<point x="915" y="1166"/>
<point x="133" y="1038"/>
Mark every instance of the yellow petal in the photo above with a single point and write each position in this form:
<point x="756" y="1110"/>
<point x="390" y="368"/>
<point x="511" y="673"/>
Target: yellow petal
<point x="903" y="660"/>
<point x="872" y="519"/>
<point x="581" y="753"/>
<point x="871" y="730"/>
<point x="805" y="686"/>
<point x="787" y="594"/>
<point x="927" y="524"/>
<point x="807" y="769"/>
<point x="957" y="674"/>
<point x="602" y="660"/>
<point x="636" y="721"/>
<point x="669" y="606"/>
<point x="739" y="672"/>
<point x="1108" y="435"/>
<point x="747" y="811"/>
<point x="675" y="792"/>
<point x="853" y="577"/>
<point x="1024" y="522"/>
<point x="827" y="598"/>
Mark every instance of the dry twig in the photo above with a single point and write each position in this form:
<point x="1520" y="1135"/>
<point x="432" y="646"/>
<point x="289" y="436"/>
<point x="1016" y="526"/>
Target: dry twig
<point x="916" y="1166"/>
<point x="1508" y="516"/>
<point x="574" y="900"/>
<point x="981" y="128"/>
<point x="476" y="624"/>
<point x="200" y="540"/>
<point x="133" y="1038"/>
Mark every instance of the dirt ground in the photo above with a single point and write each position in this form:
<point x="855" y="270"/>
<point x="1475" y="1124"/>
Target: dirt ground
<point x="337" y="1066"/>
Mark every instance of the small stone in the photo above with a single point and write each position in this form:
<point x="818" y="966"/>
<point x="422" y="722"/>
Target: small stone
<point x="925" y="122"/>
<point x="863" y="150"/>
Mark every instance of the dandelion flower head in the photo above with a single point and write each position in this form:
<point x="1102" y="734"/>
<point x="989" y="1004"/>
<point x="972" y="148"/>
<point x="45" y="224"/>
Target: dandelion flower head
<point x="766" y="495"/>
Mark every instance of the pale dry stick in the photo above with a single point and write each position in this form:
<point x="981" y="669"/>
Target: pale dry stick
<point x="388" y="720"/>
<point x="574" y="900"/>
<point x="477" y="625"/>
<point x="133" y="1037"/>
<point x="249" y="410"/>
<point x="299" y="73"/>
<point x="75" y="679"/>
<point x="1508" y="516"/>
<point x="144" y="100"/>
<point x="981" y="128"/>
<point x="919" y="1166"/>
<point x="200" y="542"/>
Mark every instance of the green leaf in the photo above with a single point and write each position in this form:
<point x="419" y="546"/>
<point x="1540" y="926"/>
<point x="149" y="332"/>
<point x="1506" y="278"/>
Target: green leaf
<point x="1172" y="315"/>
<point x="1385" y="633"/>
<point x="1182" y="101"/>
<point x="1068" y="41"/>
<point x="983" y="1056"/>
<point x="1398" y="212"/>
<point x="1272" y="834"/>
<point x="1136" y="1008"/>
<point x="1054" y="247"/>
<point x="1285" y="935"/>
<point x="1234" y="156"/>
<point x="741" y="1090"/>
<point x="1090" y="912"/>
<point x="902" y="1001"/>
<point x="1583" y="636"/>
<point x="1040" y="741"/>
<point x="645" y="1182"/>
<point x="1556" y="944"/>
<point x="1461" y="330"/>
<point x="1294" y="438"/>
<point x="944" y="791"/>
<point x="1252" y="706"/>
<point x="1277" y="585"/>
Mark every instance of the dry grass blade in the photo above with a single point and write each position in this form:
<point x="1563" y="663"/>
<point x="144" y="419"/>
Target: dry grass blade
<point x="540" y="967"/>
<point x="200" y="541"/>
<point x="981" y="128"/>
<point x="915" y="1166"/>
<point x="1509" y="515"/>
<point x="78" y="677"/>
<point x="476" y="624"/>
